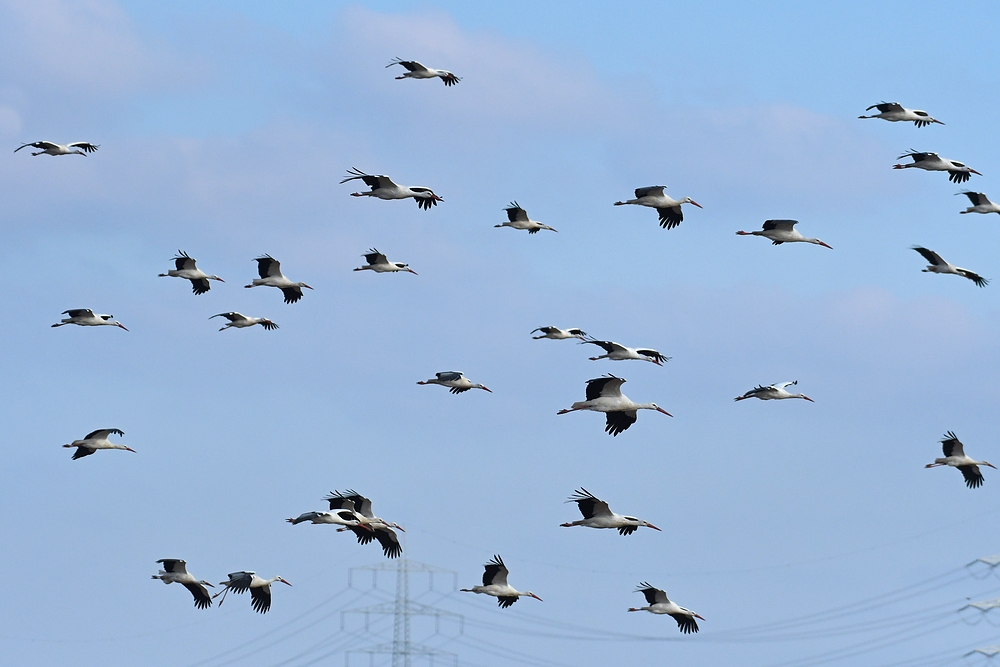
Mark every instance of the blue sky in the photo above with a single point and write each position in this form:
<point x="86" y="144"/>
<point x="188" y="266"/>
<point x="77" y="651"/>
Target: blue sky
<point x="225" y="129"/>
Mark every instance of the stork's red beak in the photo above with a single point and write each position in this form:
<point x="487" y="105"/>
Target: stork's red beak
<point x="808" y="399"/>
<point x="130" y="449"/>
<point x="536" y="597"/>
<point x="694" y="203"/>
<point x="122" y="326"/>
<point x="664" y="412"/>
<point x="973" y="170"/>
<point x="649" y="525"/>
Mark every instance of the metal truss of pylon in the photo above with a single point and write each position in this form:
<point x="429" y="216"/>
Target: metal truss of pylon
<point x="988" y="651"/>
<point x="984" y="605"/>
<point x="985" y="566"/>
<point x="402" y="609"/>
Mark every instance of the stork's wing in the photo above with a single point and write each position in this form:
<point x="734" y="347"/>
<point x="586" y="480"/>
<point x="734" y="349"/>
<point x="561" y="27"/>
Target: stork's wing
<point x="268" y="266"/>
<point x="374" y="182"/>
<point x="260" y="599"/>
<point x="618" y="422"/>
<point x="686" y="623"/>
<point x="390" y="542"/>
<point x="653" y="595"/>
<point x="917" y="155"/>
<point x="85" y="146"/>
<point x="590" y="506"/>
<point x="292" y="294"/>
<point x="782" y="385"/>
<point x="496" y="572"/>
<point x="973" y="477"/>
<point x="42" y="145"/>
<point x="232" y="317"/>
<point x="449" y="376"/>
<point x="79" y="312"/>
<point x="82" y="451"/>
<point x="515" y="213"/>
<point x="609" y="386"/>
<point x="656" y="190"/>
<point x="270" y="326"/>
<point x="411" y="65"/>
<point x="364" y="535"/>
<point x="783" y="225"/>
<point x="577" y="332"/>
<point x="339" y="502"/>
<point x="653" y="354"/>
<point x="884" y="107"/>
<point x="546" y="330"/>
<point x="974" y="277"/>
<point x="174" y="565"/>
<point x="670" y="216"/>
<point x="184" y="261"/>
<point x="609" y="346"/>
<point x="239" y="582"/>
<point x="951" y="445"/>
<point x="930" y="256"/>
<point x="373" y="256"/>
<point x="977" y="198"/>
<point x="449" y="79"/>
<point x="103" y="433"/>
<point x="202" y="600"/>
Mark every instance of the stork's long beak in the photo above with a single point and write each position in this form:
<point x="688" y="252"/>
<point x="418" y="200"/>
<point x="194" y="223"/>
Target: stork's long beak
<point x="990" y="465"/>
<point x="536" y="597"/>
<point x="808" y="399"/>
<point x="306" y="286"/>
<point x="694" y="203"/>
<point x="487" y="389"/>
<point x="699" y="616"/>
<point x="664" y="412"/>
<point x="285" y="582"/>
<point x="130" y="449"/>
<point x="975" y="172"/>
<point x="122" y="326"/>
<point x="442" y="198"/>
<point x="649" y="525"/>
<point x="825" y="245"/>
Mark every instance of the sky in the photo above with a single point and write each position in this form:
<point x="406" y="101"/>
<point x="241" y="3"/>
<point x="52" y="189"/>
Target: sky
<point x="805" y="533"/>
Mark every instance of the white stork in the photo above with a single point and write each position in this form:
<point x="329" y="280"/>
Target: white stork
<point x="957" y="171"/>
<point x="85" y="317"/>
<point x="668" y="209"/>
<point x="270" y="276"/>
<point x="954" y="456"/>
<point x="597" y="514"/>
<point x="782" y="231"/>
<point x="187" y="268"/>
<point x="241" y="321"/>
<point x="260" y="589"/>
<point x="773" y="392"/>
<point x="383" y="188"/>
<point x="456" y="380"/>
<point x="555" y="333"/>
<point x="980" y="203"/>
<point x="938" y="265"/>
<point x="517" y="218"/>
<point x="370" y="527"/>
<point x="495" y="584"/>
<point x="97" y="440"/>
<point x="604" y="394"/>
<point x="379" y="263"/>
<point x="340" y="514"/>
<point x="417" y="71"/>
<point x="894" y="112"/>
<point x="175" y="572"/>
<point x="659" y="603"/>
<point x="49" y="148"/>
<point x="617" y="352"/>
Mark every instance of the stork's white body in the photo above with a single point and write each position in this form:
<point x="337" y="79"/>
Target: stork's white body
<point x="186" y="267"/>
<point x="980" y="203"/>
<point x="50" y="148"/>
<point x="604" y="395"/>
<point x="668" y="209"/>
<point x="773" y="392"/>
<point x="782" y="231"/>
<point x="895" y="112"/>
<point x="241" y="321"/>
<point x="958" y="172"/>
<point x="517" y="218"/>
<point x="97" y="440"/>
<point x="175" y="572"/>
<point x="417" y="71"/>
<point x="382" y="187"/>
<point x="455" y="381"/>
<point x="379" y="263"/>
<point x="597" y="514"/>
<point x="555" y="333"/>
<point x="85" y="317"/>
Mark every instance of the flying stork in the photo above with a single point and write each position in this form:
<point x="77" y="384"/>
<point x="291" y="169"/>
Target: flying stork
<point x="604" y="394"/>
<point x="782" y="231"/>
<point x="49" y="148"/>
<point x="341" y="514"/>
<point x="597" y="514"/>
<point x="495" y="584"/>
<point x="187" y="268"/>
<point x="938" y="265"/>
<point x="260" y="589"/>
<point x="617" y="352"/>
<point x="370" y="527"/>
<point x="85" y="317"/>
<point x="555" y="333"/>
<point x="456" y="380"/>
<point x="957" y="171"/>
<point x="954" y="456"/>
<point x="241" y="321"/>
<point x="175" y="571"/>
<point x="668" y="209"/>
<point x="517" y="218"/>
<point x="379" y="263"/>
<point x="659" y="603"/>
<point x="894" y="112"/>
<point x="270" y="276"/>
<point x="773" y="392"/>
<point x="417" y="71"/>
<point x="97" y="440"/>
<point x="980" y="203"/>
<point x="383" y="188"/>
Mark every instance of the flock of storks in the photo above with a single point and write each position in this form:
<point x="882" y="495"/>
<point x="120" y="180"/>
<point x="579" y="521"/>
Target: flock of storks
<point x="352" y="512"/>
